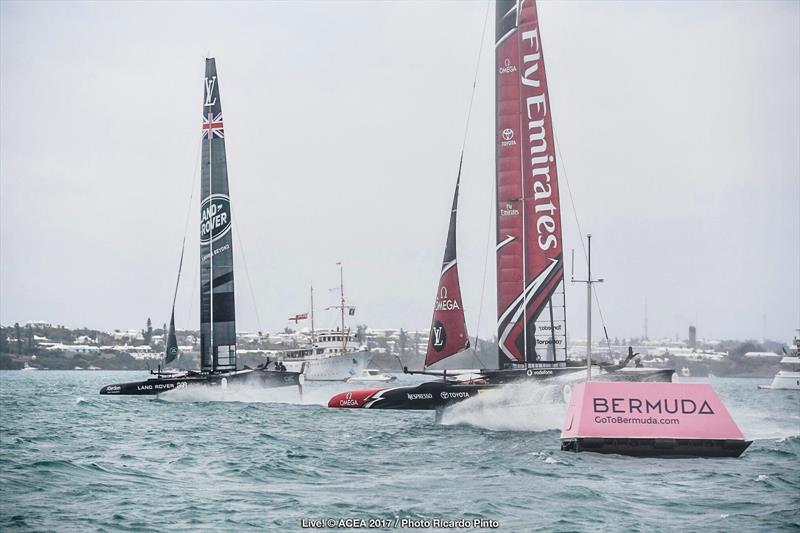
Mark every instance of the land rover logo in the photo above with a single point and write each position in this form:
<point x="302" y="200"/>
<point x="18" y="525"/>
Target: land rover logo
<point x="438" y="336"/>
<point x="508" y="134"/>
<point x="215" y="218"/>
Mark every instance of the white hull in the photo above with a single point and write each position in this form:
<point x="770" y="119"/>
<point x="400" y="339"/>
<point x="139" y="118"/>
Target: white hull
<point x="371" y="376"/>
<point x="336" y="367"/>
<point x="784" y="380"/>
<point x="368" y="381"/>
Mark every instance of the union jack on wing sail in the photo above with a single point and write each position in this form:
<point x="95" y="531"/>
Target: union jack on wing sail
<point x="212" y="126"/>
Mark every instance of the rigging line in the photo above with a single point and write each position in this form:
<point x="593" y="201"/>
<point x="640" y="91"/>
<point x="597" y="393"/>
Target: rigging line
<point x="580" y="232"/>
<point x="475" y="79"/>
<point x="247" y="273"/>
<point x="186" y="223"/>
<point x="485" y="269"/>
<point x="463" y="147"/>
<point x="244" y="260"/>
<point x="191" y="301"/>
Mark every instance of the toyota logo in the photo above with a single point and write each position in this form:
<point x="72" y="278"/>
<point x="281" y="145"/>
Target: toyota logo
<point x="508" y="134"/>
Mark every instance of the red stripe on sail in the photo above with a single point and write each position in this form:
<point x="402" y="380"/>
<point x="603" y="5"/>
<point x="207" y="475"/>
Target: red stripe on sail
<point x="537" y="302"/>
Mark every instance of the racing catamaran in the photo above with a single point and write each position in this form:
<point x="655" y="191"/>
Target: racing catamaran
<point x="531" y="322"/>
<point x="217" y="300"/>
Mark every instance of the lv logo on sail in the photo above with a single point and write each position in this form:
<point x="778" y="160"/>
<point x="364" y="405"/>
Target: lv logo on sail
<point x="210" y="91"/>
<point x="437" y="334"/>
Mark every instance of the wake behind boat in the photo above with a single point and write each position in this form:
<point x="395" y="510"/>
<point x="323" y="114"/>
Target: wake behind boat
<point x="217" y="299"/>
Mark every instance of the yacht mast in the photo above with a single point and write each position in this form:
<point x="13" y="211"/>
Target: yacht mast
<point x="313" y="341"/>
<point x="588" y="281"/>
<point x="211" y="252"/>
<point x="341" y="307"/>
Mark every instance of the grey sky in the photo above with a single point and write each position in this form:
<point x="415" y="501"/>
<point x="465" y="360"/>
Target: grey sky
<point x="679" y="124"/>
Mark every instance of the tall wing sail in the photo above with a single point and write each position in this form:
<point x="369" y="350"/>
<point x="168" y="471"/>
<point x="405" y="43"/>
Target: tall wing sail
<point x="448" y="334"/>
<point x="217" y="308"/>
<point x="172" y="342"/>
<point x="530" y="268"/>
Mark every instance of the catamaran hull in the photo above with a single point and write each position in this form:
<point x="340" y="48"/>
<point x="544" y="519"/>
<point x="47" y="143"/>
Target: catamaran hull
<point x="427" y="396"/>
<point x="578" y="374"/>
<point x="436" y="395"/>
<point x="157" y="385"/>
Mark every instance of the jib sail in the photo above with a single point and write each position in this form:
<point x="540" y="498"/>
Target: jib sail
<point x="530" y="268"/>
<point x="448" y="334"/>
<point x="217" y="309"/>
<point x="172" y="342"/>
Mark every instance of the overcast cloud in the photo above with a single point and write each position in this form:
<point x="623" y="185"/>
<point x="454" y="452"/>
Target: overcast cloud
<point x="679" y="124"/>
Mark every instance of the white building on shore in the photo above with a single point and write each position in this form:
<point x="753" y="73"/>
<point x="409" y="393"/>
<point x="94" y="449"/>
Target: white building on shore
<point x="81" y="349"/>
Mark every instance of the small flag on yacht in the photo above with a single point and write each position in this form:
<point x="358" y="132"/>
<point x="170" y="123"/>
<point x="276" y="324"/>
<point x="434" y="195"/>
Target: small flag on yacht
<point x="298" y="318"/>
<point x="352" y="311"/>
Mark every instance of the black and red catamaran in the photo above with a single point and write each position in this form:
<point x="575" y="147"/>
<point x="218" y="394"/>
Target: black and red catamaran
<point x="531" y="321"/>
<point x="218" y="364"/>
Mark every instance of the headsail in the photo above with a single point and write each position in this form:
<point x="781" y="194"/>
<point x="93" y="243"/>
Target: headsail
<point x="448" y="334"/>
<point x="217" y="308"/>
<point x="172" y="342"/>
<point x="530" y="269"/>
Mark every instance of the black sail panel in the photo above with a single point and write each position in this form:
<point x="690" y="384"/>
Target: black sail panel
<point x="217" y="309"/>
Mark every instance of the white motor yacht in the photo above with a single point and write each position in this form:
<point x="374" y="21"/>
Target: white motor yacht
<point x="788" y="377"/>
<point x="334" y="356"/>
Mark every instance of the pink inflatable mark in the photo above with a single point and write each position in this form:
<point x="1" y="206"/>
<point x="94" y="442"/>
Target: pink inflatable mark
<point x="648" y="410"/>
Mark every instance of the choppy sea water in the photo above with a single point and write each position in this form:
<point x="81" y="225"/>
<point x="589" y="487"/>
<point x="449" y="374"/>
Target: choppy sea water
<point x="71" y="460"/>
